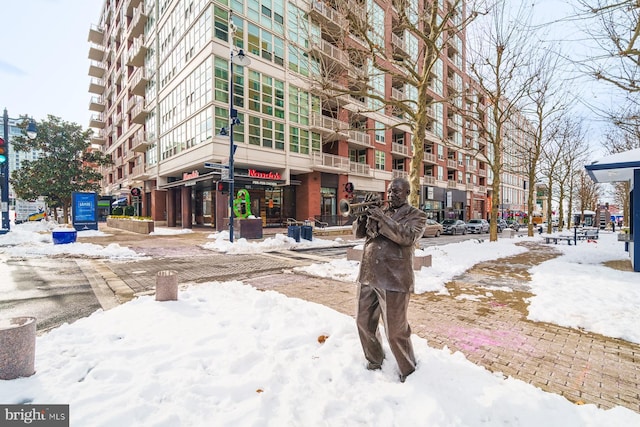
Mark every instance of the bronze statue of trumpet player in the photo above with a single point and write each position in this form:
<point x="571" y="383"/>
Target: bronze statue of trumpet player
<point x="386" y="279"/>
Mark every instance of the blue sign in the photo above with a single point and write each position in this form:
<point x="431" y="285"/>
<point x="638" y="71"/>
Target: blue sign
<point x="84" y="211"/>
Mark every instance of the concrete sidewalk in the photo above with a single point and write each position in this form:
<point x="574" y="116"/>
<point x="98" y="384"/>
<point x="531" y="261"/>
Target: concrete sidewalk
<point x="585" y="368"/>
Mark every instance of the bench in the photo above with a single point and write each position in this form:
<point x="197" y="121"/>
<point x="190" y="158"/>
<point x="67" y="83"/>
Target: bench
<point x="587" y="234"/>
<point x="551" y="238"/>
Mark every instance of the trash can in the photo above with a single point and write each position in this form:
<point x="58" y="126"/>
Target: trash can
<point x="306" y="232"/>
<point x="293" y="231"/>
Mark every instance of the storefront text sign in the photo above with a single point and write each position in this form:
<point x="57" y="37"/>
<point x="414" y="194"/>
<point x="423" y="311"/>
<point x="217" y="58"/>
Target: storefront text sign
<point x="264" y="175"/>
<point x="190" y="175"/>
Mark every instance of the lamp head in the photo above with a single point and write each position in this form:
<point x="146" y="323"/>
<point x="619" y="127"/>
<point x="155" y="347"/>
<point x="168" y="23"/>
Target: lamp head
<point x="32" y="130"/>
<point x="241" y="59"/>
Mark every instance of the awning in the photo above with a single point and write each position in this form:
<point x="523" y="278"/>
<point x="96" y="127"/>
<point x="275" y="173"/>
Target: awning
<point x="616" y="167"/>
<point x="122" y="201"/>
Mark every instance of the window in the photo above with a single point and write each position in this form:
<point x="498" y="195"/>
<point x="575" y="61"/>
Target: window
<point x="380" y="160"/>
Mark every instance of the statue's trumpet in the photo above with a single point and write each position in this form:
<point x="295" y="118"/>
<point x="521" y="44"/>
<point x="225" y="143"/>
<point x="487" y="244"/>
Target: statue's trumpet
<point x="347" y="208"/>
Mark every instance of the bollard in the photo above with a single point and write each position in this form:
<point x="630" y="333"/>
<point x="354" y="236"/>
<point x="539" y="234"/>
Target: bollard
<point x="17" y="347"/>
<point x="167" y="285"/>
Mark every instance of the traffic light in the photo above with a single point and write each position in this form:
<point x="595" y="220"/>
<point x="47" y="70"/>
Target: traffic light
<point x="4" y="152"/>
<point x="222" y="186"/>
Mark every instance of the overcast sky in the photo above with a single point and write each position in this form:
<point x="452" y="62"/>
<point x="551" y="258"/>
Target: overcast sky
<point x="44" y="58"/>
<point x="44" y="63"/>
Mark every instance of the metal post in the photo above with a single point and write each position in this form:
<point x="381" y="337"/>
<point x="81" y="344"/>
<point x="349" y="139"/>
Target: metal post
<point x="5" y="177"/>
<point x="232" y="118"/>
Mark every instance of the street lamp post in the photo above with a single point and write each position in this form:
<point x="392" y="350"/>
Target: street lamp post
<point x="236" y="56"/>
<point x="31" y="133"/>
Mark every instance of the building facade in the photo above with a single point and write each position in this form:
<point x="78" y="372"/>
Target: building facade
<point x="161" y="87"/>
<point x="16" y="158"/>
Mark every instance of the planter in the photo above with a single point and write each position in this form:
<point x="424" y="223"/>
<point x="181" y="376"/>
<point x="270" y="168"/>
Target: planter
<point x="129" y="224"/>
<point x="17" y="347"/>
<point x="63" y="236"/>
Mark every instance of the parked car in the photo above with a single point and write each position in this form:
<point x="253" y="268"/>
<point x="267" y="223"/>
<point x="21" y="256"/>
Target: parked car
<point x="434" y="229"/>
<point x="454" y="226"/>
<point x="502" y="224"/>
<point x="477" y="226"/>
<point x="513" y="224"/>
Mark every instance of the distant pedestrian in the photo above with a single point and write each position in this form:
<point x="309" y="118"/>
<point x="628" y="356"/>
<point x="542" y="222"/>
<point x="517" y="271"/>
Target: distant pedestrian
<point x="386" y="277"/>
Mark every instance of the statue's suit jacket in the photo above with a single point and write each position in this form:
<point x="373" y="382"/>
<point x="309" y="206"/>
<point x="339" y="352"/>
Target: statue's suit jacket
<point x="387" y="259"/>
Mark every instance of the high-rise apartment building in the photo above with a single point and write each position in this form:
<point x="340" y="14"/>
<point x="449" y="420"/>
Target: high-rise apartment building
<point x="161" y="81"/>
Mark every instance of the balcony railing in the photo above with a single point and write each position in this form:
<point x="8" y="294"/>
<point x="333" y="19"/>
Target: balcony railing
<point x="396" y="173"/>
<point x="359" y="138"/>
<point x="334" y="21"/>
<point x="96" y="86"/>
<point x="400" y="149"/>
<point x="429" y="158"/>
<point x="329" y="51"/>
<point x="359" y="169"/>
<point x="330" y="161"/>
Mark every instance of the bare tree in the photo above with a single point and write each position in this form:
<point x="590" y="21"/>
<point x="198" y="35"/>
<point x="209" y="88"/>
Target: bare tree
<point x="499" y="63"/>
<point x="587" y="193"/>
<point x="547" y="104"/>
<point x="616" y="31"/>
<point x="364" y="64"/>
<point x="575" y="151"/>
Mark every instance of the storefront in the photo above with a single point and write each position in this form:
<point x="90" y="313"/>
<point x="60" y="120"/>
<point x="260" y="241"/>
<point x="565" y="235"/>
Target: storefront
<point x="442" y="203"/>
<point x="197" y="199"/>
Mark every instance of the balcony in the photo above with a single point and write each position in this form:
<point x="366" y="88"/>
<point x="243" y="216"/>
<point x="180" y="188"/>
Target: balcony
<point x="333" y="21"/>
<point x="97" y="103"/>
<point x="329" y="51"/>
<point x="131" y="5"/>
<point x="452" y="164"/>
<point x="96" y="35"/>
<point x="96" y="86"/>
<point x="97" y="69"/>
<point x="98" y="138"/>
<point x="97" y="121"/>
<point x="399" y="149"/>
<point x="429" y="180"/>
<point x="331" y="129"/>
<point x="360" y="169"/>
<point x="136" y="27"/>
<point x="429" y="158"/>
<point x="398" y="45"/>
<point x="397" y="173"/>
<point x="130" y="156"/>
<point x="138" y="112"/>
<point x="137" y="52"/>
<point x="139" y="81"/>
<point x="329" y="162"/>
<point x="96" y="53"/>
<point x="452" y="184"/>
<point x="397" y="94"/>
<point x="359" y="138"/>
<point x="482" y="172"/>
<point x="139" y="143"/>
<point x="140" y="172"/>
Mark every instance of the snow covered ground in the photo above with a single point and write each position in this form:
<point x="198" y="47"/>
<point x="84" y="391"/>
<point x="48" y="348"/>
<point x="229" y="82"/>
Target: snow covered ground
<point x="226" y="354"/>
